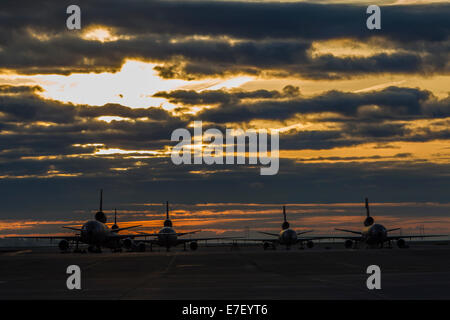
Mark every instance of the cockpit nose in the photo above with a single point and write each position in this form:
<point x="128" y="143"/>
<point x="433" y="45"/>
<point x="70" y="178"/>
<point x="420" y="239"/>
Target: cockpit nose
<point x="378" y="231"/>
<point x="289" y="236"/>
<point x="90" y="229"/>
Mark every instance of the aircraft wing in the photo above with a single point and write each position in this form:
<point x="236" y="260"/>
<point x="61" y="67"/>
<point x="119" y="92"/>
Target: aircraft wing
<point x="178" y="234"/>
<point x="354" y="238"/>
<point x="416" y="236"/>
<point x="72" y="228"/>
<point x="204" y="239"/>
<point x="258" y="239"/>
<point x="303" y="232"/>
<point x="269" y="233"/>
<point x="190" y="232"/>
<point x="350" y="231"/>
<point x="315" y="238"/>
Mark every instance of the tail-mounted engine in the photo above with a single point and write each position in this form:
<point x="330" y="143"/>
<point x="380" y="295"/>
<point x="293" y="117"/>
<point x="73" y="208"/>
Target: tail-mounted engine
<point x="100" y="216"/>
<point x="369" y="221"/>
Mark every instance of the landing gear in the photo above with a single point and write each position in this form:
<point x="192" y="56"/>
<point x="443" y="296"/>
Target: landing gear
<point x="349" y="244"/>
<point x="389" y="244"/>
<point x="94" y="249"/>
<point x="401" y="243"/>
<point x="77" y="248"/>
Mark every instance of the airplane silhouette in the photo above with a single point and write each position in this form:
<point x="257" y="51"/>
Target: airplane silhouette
<point x="287" y="236"/>
<point x="375" y="235"/>
<point x="95" y="233"/>
<point x="167" y="236"/>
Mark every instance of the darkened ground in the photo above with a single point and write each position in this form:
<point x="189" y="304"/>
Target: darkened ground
<point x="419" y="272"/>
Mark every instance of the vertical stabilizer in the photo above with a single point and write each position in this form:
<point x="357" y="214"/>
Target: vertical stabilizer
<point x="367" y="207"/>
<point x="101" y="200"/>
<point x="369" y="220"/>
<point x="285" y="224"/>
<point x="167" y="210"/>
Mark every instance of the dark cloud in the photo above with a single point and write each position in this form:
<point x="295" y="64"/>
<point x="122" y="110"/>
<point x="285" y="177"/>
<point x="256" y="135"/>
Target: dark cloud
<point x="4" y="89"/>
<point x="68" y="126"/>
<point x="253" y="20"/>
<point x="192" y="97"/>
<point x="47" y="163"/>
<point x="273" y="37"/>
<point x="392" y="102"/>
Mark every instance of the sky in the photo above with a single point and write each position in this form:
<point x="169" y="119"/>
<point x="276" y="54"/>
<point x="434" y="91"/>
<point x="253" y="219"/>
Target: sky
<point x="360" y="113"/>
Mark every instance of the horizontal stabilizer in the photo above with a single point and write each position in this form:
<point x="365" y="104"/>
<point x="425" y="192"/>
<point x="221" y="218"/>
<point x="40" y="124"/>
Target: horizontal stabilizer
<point x="303" y="232"/>
<point x="120" y="229"/>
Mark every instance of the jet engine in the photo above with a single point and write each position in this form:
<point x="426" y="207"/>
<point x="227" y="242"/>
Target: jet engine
<point x="141" y="246"/>
<point x="348" y="243"/>
<point x="193" y="245"/>
<point x="401" y="243"/>
<point x="309" y="244"/>
<point x="63" y="245"/>
<point x="100" y="216"/>
<point x="128" y="243"/>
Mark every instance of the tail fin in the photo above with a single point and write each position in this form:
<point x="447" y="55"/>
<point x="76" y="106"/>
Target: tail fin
<point x="101" y="200"/>
<point x="285" y="224"/>
<point x="367" y="207"/>
<point x="115" y="216"/>
<point x="167" y="210"/>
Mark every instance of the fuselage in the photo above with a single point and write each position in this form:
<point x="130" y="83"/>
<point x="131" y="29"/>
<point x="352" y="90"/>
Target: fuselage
<point x="374" y="234"/>
<point x="167" y="237"/>
<point x="96" y="233"/>
<point x="288" y="237"/>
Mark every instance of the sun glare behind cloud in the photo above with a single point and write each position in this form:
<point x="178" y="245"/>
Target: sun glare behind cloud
<point x="133" y="86"/>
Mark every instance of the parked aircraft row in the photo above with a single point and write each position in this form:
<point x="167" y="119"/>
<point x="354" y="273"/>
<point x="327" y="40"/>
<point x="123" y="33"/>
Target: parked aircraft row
<point x="372" y="234"/>
<point x="97" y="235"/>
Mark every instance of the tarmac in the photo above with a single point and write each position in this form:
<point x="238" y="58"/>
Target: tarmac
<point x="327" y="271"/>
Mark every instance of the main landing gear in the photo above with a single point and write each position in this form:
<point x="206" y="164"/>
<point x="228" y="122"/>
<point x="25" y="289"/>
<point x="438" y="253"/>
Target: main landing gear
<point x="94" y="249"/>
